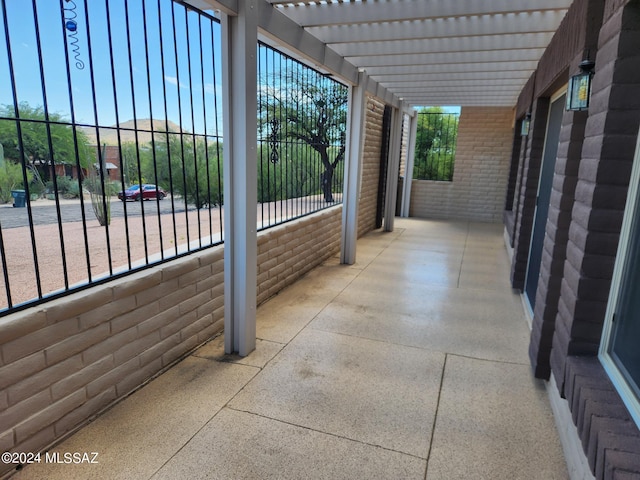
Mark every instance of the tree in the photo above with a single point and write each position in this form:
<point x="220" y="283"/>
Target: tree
<point x="39" y="157"/>
<point x="186" y="167"/>
<point x="307" y="108"/>
<point x="436" y="137"/>
<point x="129" y="154"/>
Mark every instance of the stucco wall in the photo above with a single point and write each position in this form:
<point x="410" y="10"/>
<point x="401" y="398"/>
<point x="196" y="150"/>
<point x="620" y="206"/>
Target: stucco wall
<point x="480" y="174"/>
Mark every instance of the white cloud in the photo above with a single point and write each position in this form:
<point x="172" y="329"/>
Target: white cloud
<point x="174" y="81"/>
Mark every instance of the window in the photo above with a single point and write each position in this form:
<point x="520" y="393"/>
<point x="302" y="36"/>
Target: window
<point x="619" y="351"/>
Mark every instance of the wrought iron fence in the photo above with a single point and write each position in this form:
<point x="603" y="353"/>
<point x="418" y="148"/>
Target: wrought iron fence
<point x="436" y="137"/>
<point x="105" y="101"/>
<point x="301" y="136"/>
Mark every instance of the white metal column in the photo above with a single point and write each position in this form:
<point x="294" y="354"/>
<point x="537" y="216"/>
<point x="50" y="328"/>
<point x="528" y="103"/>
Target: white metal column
<point x="356" y="114"/>
<point x="239" y="50"/>
<point x="391" y="192"/>
<point x="408" y="171"/>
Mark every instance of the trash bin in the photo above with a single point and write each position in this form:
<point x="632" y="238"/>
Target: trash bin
<point x="19" y="198"/>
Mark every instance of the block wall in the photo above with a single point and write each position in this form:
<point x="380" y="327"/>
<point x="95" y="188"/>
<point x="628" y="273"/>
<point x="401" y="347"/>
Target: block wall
<point x="591" y="178"/>
<point x="64" y="361"/>
<point x="288" y="251"/>
<point x="610" y="136"/>
<point x="527" y="191"/>
<point x="370" y="166"/>
<point x="480" y="174"/>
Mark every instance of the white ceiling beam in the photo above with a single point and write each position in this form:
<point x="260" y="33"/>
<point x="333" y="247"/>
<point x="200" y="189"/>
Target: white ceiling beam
<point x="420" y="86"/>
<point x="513" y="23"/>
<point x="451" y="44"/>
<point x="275" y="25"/>
<point x="463" y="100"/>
<point x="368" y="12"/>
<point x="454" y="68"/>
<point x="480" y="76"/>
<point x="454" y="57"/>
<point x="458" y="87"/>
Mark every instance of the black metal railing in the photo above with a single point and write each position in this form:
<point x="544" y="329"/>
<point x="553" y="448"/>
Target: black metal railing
<point x="436" y="137"/>
<point x="99" y="96"/>
<point x="301" y="138"/>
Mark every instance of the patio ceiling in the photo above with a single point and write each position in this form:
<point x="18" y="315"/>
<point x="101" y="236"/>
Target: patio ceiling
<point x="435" y="52"/>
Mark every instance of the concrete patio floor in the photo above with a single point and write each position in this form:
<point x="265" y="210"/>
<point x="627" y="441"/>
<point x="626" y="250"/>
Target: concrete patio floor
<point x="410" y="364"/>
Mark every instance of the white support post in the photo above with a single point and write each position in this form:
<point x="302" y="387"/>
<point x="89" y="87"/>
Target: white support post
<point x="391" y="192"/>
<point x="356" y="114"/>
<point x="408" y="171"/>
<point x="239" y="50"/>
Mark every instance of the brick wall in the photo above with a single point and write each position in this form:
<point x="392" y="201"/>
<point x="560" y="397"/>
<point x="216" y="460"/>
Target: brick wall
<point x="404" y="144"/>
<point x="555" y="242"/>
<point x="288" y="251"/>
<point x="64" y="361"/>
<point x="370" y="166"/>
<point x="509" y="213"/>
<point x="609" y="436"/>
<point x="527" y="191"/>
<point x="600" y="194"/>
<point x="591" y="178"/>
<point x="589" y="18"/>
<point x="480" y="173"/>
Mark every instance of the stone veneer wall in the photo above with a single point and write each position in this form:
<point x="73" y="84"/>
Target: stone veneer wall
<point x="480" y="174"/>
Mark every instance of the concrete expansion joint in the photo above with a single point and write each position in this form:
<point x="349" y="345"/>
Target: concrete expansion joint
<point x="490" y="360"/>
<point x="334" y="435"/>
<point x="435" y="416"/>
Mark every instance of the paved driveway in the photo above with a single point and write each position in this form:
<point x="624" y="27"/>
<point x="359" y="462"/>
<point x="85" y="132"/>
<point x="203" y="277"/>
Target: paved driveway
<point x="44" y="212"/>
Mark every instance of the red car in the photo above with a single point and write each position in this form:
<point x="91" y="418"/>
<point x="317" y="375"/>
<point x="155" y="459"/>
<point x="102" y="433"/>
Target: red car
<point x="148" y="192"/>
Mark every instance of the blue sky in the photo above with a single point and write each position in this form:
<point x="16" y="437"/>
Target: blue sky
<point x="88" y="48"/>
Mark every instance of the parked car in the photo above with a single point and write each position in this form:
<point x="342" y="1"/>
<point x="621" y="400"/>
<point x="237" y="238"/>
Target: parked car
<point x="146" y="191"/>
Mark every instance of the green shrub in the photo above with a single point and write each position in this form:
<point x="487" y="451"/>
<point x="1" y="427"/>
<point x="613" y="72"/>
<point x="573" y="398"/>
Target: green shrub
<point x="67" y="187"/>
<point x="11" y="179"/>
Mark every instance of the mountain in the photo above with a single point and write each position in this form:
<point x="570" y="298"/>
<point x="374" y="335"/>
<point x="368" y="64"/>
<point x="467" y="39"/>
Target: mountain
<point x="109" y="135"/>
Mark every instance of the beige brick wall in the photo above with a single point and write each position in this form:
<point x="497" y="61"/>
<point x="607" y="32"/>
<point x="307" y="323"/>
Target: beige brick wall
<point x="288" y="251"/>
<point x="404" y="145"/>
<point x="64" y="361"/>
<point x="480" y="173"/>
<point x="370" y="166"/>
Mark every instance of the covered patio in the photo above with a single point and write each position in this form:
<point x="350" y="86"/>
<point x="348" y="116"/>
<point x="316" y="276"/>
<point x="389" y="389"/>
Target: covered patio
<point x="416" y="329"/>
<point x="411" y="363"/>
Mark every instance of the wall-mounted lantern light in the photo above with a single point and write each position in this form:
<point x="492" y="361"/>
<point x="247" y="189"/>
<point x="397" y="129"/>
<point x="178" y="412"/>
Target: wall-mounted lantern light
<point x="526" y="123"/>
<point x="580" y="87"/>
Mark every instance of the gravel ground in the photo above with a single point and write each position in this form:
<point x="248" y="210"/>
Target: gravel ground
<point x="108" y="249"/>
<point x="104" y="250"/>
